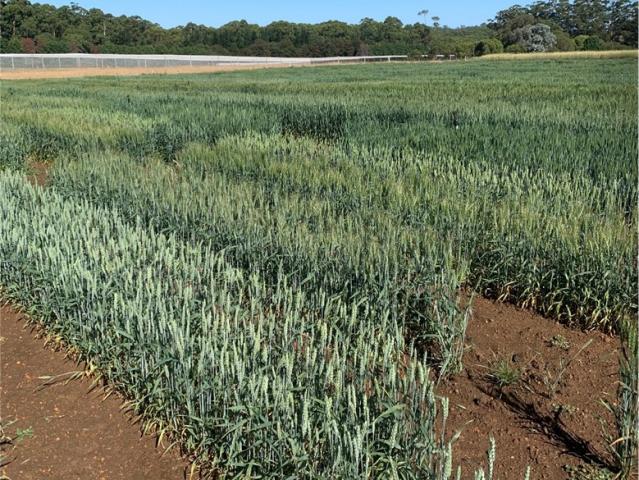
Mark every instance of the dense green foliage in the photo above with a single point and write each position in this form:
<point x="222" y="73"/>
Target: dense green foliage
<point x="610" y="23"/>
<point x="334" y="209"/>
<point x="31" y="27"/>
<point x="488" y="46"/>
<point x="39" y="28"/>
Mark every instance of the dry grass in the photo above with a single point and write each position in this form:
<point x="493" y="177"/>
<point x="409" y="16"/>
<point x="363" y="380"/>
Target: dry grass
<point x="98" y="72"/>
<point x="560" y="55"/>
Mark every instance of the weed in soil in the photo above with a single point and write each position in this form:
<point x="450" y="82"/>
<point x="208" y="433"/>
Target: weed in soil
<point x="504" y="374"/>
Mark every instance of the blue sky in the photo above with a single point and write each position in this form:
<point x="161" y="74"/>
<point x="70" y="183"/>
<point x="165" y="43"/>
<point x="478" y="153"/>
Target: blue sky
<point x="215" y="13"/>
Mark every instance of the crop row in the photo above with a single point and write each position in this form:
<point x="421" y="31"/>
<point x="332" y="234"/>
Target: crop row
<point x="353" y="223"/>
<point x="262" y="381"/>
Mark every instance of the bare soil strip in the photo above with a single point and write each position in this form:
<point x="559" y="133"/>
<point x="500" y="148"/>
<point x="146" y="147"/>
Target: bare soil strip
<point x="66" y="431"/>
<point x="533" y="424"/>
<point x="38" y="173"/>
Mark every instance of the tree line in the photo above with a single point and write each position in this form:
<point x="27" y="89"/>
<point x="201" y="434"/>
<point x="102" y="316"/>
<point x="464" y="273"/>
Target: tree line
<point x="546" y="25"/>
<point x="566" y="25"/>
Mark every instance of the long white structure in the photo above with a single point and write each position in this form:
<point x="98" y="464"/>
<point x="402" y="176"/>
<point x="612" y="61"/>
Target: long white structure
<point x="26" y="61"/>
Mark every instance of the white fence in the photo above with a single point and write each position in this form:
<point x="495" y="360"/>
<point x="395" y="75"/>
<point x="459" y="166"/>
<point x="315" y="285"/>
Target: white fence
<point x="26" y="61"/>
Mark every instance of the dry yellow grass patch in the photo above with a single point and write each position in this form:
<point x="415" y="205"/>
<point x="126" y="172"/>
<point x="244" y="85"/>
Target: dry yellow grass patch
<point x="559" y="55"/>
<point x="34" y="74"/>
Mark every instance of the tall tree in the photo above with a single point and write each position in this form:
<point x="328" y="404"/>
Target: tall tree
<point x="12" y="16"/>
<point x="590" y="17"/>
<point x="623" y="21"/>
<point x="423" y="13"/>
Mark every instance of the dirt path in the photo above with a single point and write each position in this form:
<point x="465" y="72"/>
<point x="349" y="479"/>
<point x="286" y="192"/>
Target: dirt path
<point x="65" y="431"/>
<point x="134" y="71"/>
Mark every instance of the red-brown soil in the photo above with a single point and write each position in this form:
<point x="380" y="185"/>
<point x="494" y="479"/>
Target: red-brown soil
<point x="531" y="427"/>
<point x="67" y="431"/>
<point x="38" y="173"/>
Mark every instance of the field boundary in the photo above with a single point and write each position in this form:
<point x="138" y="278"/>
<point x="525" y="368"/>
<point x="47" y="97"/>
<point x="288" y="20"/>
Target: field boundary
<point x="39" y="66"/>
<point x="123" y="72"/>
<point x="563" y="55"/>
<point x="36" y="61"/>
